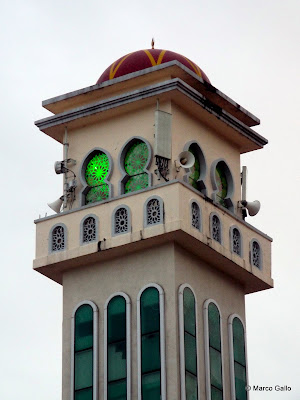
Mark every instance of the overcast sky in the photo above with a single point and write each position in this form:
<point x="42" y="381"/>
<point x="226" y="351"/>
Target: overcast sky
<point x="250" y="51"/>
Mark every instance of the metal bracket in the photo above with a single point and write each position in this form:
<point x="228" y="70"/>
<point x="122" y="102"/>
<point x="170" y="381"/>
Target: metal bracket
<point x="162" y="167"/>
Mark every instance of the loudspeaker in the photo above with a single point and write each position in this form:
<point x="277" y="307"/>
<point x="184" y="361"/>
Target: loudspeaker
<point x="56" y="205"/>
<point x="186" y="159"/>
<point x="252" y="206"/>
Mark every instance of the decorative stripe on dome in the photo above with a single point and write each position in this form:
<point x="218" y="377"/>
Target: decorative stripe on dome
<point x="151" y="58"/>
<point x="195" y="67"/>
<point x="112" y="71"/>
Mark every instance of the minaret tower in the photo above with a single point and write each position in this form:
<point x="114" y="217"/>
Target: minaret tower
<point x="149" y="239"/>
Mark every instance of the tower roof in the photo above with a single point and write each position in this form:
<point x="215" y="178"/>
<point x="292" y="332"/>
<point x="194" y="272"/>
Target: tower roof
<point x="142" y="59"/>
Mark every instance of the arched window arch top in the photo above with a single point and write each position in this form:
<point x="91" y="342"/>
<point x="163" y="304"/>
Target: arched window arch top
<point x="95" y="172"/>
<point x="151" y="343"/>
<point x="236" y="241"/>
<point x="58" y="238"/>
<point x="216" y="228"/>
<point x="196" y="174"/>
<point x="89" y="229"/>
<point x="196" y="216"/>
<point x="134" y="161"/>
<point x="117" y="347"/>
<point x="153" y="211"/>
<point x="237" y="357"/>
<point x="84" y="355"/>
<point x="121" y="220"/>
<point x="255" y="254"/>
<point x="222" y="183"/>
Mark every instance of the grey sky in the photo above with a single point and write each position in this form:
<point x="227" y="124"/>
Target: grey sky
<point x="250" y="51"/>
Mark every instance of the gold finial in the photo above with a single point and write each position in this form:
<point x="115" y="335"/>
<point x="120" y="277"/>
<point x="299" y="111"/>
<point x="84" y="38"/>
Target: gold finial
<point x="152" y="43"/>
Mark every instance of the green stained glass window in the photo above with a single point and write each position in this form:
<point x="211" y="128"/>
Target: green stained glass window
<point x="97" y="193"/>
<point x="136" y="158"/>
<point x="150" y="344"/>
<point x="190" y="345"/>
<point x="97" y="169"/>
<point x="116" y="349"/>
<point x="215" y="356"/>
<point x="195" y="169"/>
<point x="222" y="184"/>
<point x="151" y="386"/>
<point x="136" y="182"/>
<point x="83" y="357"/>
<point x="239" y="359"/>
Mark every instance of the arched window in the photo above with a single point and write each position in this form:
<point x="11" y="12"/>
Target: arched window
<point x="236" y="241"/>
<point x="151" y="344"/>
<point x="89" y="229"/>
<point x="153" y="211"/>
<point x="95" y="172"/>
<point x="222" y="183"/>
<point x="135" y="158"/>
<point x="85" y="352"/>
<point x="238" y="370"/>
<point x="117" y="379"/>
<point x="215" y="227"/>
<point x="196" y="216"/>
<point x="188" y="343"/>
<point x="255" y="254"/>
<point x="213" y="351"/>
<point x="197" y="173"/>
<point x="121" y="220"/>
<point x="57" y="238"/>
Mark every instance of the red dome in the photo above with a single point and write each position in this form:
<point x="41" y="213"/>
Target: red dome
<point x="142" y="59"/>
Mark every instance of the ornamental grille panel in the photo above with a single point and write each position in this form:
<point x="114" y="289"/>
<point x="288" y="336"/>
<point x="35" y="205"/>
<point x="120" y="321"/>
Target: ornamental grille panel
<point x="256" y="254"/>
<point x="89" y="230"/>
<point x="154" y="212"/>
<point x="236" y="241"/>
<point x="195" y="216"/>
<point x="58" y="238"/>
<point x="121" y="220"/>
<point x="216" y="229"/>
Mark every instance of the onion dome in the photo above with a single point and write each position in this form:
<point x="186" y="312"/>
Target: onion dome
<point x="139" y="60"/>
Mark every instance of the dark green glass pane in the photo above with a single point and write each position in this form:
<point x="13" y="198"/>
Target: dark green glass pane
<point x="84" y="327"/>
<point x="189" y="311"/>
<point x="97" y="169"/>
<point x="240" y="382"/>
<point x="84" y="394"/>
<point x="151" y="386"/>
<point x="195" y="169"/>
<point x="116" y="319"/>
<point x="150" y="310"/>
<point x="215" y="368"/>
<point x="116" y="360"/>
<point x="191" y="388"/>
<point x="214" y="326"/>
<point x="238" y="341"/>
<point x="216" y="394"/>
<point x="97" y="193"/>
<point x="190" y="353"/>
<point x="117" y="390"/>
<point x="150" y="352"/>
<point x="83" y="369"/>
<point x="136" y="158"/>
<point x="222" y="185"/>
<point x="136" y="182"/>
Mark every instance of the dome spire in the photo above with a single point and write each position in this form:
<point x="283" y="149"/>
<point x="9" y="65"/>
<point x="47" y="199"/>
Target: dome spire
<point x="152" y="43"/>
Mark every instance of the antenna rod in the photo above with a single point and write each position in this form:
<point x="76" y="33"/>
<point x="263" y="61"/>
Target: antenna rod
<point x="66" y="145"/>
<point x="244" y="183"/>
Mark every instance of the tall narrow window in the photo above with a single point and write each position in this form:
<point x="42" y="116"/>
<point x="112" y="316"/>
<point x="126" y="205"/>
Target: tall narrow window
<point x="84" y="357"/>
<point x="57" y="238"/>
<point x="153" y="211"/>
<point x="121" y="220"/>
<point x="188" y="344"/>
<point x="238" y="359"/>
<point x="89" y="230"/>
<point x="213" y="351"/>
<point x="235" y="240"/>
<point x="255" y="254"/>
<point x="196" y="216"/>
<point x="117" y="348"/>
<point x="151" y="347"/>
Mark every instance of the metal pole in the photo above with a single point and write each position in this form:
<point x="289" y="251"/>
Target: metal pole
<point x="66" y="145"/>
